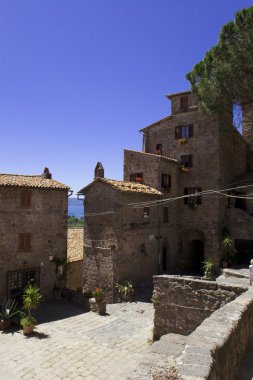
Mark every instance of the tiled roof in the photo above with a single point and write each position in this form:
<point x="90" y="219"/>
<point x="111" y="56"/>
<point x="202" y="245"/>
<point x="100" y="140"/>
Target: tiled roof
<point x="124" y="186"/>
<point x="30" y="181"/>
<point x="75" y="244"/>
<point x="167" y="118"/>
<point x="169" y="96"/>
<point x="153" y="154"/>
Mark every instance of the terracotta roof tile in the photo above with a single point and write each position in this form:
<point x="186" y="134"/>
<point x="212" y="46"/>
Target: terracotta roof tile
<point x="30" y="181"/>
<point x="124" y="186"/>
<point x="75" y="244"/>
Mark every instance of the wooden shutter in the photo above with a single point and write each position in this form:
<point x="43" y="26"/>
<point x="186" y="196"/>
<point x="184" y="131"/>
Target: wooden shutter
<point x="25" y="198"/>
<point x="178" y="132"/>
<point x="190" y="126"/>
<point x="186" y="193"/>
<point x="27" y="242"/>
<point x="21" y="242"/>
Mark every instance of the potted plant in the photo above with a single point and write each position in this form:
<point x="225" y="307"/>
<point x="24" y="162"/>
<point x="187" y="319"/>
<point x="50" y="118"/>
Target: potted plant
<point x="28" y="324"/>
<point x="98" y="294"/>
<point x="192" y="203"/>
<point x="9" y="311"/>
<point x="125" y="291"/>
<point x="31" y="300"/>
<point x="184" y="169"/>
<point x="208" y="268"/>
<point x="100" y="299"/>
<point x="183" y="141"/>
<point x="229" y="251"/>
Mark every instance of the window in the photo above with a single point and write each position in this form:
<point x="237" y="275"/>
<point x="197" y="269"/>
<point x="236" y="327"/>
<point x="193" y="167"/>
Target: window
<point x="186" y="161"/>
<point x="184" y="132"/>
<point x="165" y="215"/>
<point x="136" y="177"/>
<point x="184" y="104"/>
<point x="159" y="149"/>
<point x="24" y="242"/>
<point x="194" y="199"/>
<point x="166" y="182"/>
<point x="25" y="198"/>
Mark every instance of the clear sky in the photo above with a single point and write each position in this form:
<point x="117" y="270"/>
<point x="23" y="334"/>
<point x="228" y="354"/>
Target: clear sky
<point x="79" y="78"/>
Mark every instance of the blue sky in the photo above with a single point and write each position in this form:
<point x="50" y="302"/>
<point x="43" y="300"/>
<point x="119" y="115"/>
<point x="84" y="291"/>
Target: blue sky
<point x="79" y="78"/>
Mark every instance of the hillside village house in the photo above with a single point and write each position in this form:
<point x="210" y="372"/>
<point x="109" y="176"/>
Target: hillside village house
<point x="33" y="230"/>
<point x="183" y="155"/>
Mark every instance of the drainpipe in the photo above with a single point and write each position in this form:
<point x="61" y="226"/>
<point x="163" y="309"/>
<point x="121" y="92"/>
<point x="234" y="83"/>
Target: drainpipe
<point x="70" y="192"/>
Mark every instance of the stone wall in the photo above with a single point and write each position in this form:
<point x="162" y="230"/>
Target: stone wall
<point x="46" y="221"/>
<point x="214" y="350"/>
<point x="181" y="303"/>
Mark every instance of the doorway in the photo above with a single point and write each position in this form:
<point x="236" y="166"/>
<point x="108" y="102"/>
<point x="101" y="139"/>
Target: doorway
<point x="196" y="257"/>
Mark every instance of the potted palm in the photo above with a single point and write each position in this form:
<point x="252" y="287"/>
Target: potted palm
<point x="31" y="300"/>
<point x="229" y="251"/>
<point x="208" y="268"/>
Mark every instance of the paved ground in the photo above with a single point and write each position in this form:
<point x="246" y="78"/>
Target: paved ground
<point x="79" y="346"/>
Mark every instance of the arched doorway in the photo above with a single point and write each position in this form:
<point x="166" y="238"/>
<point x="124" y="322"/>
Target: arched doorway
<point x="196" y="257"/>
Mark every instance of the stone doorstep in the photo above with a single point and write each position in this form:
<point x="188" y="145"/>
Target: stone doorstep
<point x="234" y="273"/>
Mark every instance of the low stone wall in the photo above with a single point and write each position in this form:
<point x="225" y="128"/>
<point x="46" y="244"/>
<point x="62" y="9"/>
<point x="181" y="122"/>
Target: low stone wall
<point x="214" y="350"/>
<point x="182" y="304"/>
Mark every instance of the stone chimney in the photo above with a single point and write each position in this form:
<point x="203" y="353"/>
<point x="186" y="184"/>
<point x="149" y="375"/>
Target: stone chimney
<point x="247" y="124"/>
<point x="46" y="174"/>
<point x="99" y="170"/>
<point x="247" y="132"/>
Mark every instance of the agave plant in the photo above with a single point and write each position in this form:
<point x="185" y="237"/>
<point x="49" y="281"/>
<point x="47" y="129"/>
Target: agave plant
<point x="9" y="310"/>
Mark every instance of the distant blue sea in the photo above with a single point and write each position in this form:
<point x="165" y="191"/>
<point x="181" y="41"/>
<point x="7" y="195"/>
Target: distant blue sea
<point x="75" y="208"/>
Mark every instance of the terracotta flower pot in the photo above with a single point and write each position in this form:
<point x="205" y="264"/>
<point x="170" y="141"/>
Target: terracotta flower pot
<point x="5" y="324"/>
<point x="27" y="330"/>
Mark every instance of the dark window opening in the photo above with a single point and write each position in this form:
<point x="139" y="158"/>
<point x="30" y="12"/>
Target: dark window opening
<point x="166" y="182"/>
<point x="136" y="177"/>
<point x="143" y="250"/>
<point x="25" y="198"/>
<point x="241" y="202"/>
<point x="184" y="131"/>
<point x="186" y="161"/>
<point x="165" y="215"/>
<point x="24" y="242"/>
<point x="193" y="199"/>
<point x="159" y="149"/>
<point x="184" y="103"/>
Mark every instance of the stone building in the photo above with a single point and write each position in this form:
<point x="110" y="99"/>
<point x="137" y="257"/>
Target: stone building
<point x="75" y="255"/>
<point x="184" y="155"/>
<point x="33" y="230"/>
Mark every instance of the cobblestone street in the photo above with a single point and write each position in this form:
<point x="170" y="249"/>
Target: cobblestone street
<point x="79" y="345"/>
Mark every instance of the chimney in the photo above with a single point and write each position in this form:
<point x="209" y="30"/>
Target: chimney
<point x="247" y="124"/>
<point x="46" y="174"/>
<point x="99" y="171"/>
